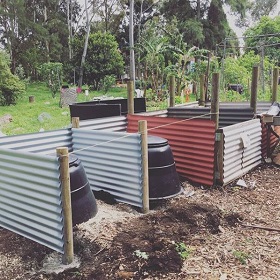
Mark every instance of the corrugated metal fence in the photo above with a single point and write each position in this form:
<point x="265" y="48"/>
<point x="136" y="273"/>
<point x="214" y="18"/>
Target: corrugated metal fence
<point x="30" y="197"/>
<point x="117" y="124"/>
<point x="30" y="188"/>
<point x="241" y="149"/>
<point x="227" y="116"/>
<point x="269" y="140"/>
<point x="192" y="143"/>
<point x="113" y="162"/>
<point x="40" y="143"/>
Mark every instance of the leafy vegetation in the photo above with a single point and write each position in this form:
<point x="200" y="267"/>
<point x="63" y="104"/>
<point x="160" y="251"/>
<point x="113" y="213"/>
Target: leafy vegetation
<point x="10" y="85"/>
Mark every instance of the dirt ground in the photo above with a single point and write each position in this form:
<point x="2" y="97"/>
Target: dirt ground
<point x="221" y="233"/>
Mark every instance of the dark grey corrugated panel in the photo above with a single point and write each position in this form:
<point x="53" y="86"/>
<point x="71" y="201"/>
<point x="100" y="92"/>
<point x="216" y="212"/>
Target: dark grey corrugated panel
<point x="113" y="162"/>
<point x="118" y="123"/>
<point x="39" y="143"/>
<point x="242" y="149"/>
<point x="30" y="197"/>
<point x="262" y="106"/>
<point x="227" y="116"/>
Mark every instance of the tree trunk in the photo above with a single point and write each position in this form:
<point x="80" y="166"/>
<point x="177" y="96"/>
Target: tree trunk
<point x="47" y="43"/>
<point x="80" y="83"/>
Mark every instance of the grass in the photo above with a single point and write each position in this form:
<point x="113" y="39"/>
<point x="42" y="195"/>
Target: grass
<point x="45" y="114"/>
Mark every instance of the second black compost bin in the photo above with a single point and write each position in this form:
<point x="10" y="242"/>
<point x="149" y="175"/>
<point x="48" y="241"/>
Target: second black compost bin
<point x="163" y="178"/>
<point x="82" y="198"/>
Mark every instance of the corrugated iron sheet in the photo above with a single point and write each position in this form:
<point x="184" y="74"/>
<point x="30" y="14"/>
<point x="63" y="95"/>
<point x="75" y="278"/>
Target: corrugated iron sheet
<point x="30" y="197"/>
<point x="262" y="106"/>
<point x="40" y="143"/>
<point x="113" y="162"/>
<point x="117" y="124"/>
<point x="268" y="139"/>
<point x="227" y="115"/>
<point x="192" y="143"/>
<point x="242" y="149"/>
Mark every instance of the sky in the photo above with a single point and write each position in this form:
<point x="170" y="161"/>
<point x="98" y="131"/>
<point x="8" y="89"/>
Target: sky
<point x="231" y="19"/>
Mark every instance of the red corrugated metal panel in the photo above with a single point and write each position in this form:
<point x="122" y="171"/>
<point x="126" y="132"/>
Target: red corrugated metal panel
<point x="192" y="143"/>
<point x="268" y="140"/>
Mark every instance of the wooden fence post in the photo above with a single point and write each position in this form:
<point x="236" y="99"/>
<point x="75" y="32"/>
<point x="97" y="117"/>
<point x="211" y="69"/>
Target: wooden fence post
<point x="172" y="90"/>
<point x="275" y="84"/>
<point x="142" y="129"/>
<point x="215" y="99"/>
<point x="62" y="153"/>
<point x="202" y="90"/>
<point x="254" y="88"/>
<point x="75" y="122"/>
<point x="130" y="97"/>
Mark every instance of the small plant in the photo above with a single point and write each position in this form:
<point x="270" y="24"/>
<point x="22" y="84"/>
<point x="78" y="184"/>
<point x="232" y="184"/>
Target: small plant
<point x="183" y="250"/>
<point x="141" y="255"/>
<point x="241" y="256"/>
<point x="107" y="82"/>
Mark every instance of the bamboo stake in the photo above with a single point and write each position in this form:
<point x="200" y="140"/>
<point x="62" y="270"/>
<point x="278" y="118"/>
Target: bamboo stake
<point x="62" y="153"/>
<point x="202" y="90"/>
<point x="142" y="129"/>
<point x="172" y="90"/>
<point x="130" y="97"/>
<point x="275" y="84"/>
<point x="261" y="227"/>
<point x="215" y="99"/>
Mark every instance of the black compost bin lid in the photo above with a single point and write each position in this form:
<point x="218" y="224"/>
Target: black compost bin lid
<point x="155" y="141"/>
<point x="73" y="160"/>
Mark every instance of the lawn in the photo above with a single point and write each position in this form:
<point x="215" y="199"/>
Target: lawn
<point x="45" y="114"/>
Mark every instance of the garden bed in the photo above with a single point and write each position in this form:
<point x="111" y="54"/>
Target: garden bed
<point x="200" y="234"/>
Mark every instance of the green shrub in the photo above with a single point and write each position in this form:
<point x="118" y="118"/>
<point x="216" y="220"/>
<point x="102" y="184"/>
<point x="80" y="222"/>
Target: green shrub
<point x="10" y="85"/>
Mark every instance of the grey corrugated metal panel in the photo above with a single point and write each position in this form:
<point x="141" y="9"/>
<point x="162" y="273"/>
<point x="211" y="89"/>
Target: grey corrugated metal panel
<point x="42" y="142"/>
<point x="118" y="123"/>
<point x="262" y="106"/>
<point x="237" y="158"/>
<point x="30" y="196"/>
<point x="232" y="170"/>
<point x="114" y="165"/>
<point x="233" y="129"/>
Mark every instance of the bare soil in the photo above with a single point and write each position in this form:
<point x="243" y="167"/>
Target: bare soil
<point x="219" y="233"/>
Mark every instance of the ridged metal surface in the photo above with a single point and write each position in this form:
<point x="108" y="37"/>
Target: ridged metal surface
<point x="192" y="143"/>
<point x="107" y="124"/>
<point x="113" y="162"/>
<point x="227" y="115"/>
<point x="242" y="149"/>
<point x="30" y="197"/>
<point x="39" y="143"/>
<point x="269" y="140"/>
<point x="262" y="106"/>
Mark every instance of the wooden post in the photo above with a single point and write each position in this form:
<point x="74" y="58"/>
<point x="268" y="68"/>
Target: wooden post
<point x="219" y="160"/>
<point x="275" y="84"/>
<point x="130" y="97"/>
<point x="172" y="90"/>
<point x="202" y="91"/>
<point x="254" y="88"/>
<point x="215" y="99"/>
<point x="62" y="153"/>
<point x="75" y="122"/>
<point x="142" y="129"/>
<point x="31" y="98"/>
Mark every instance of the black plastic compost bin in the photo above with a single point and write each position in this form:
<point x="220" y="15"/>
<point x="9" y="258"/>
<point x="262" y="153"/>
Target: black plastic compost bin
<point x="82" y="198"/>
<point x="163" y="178"/>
